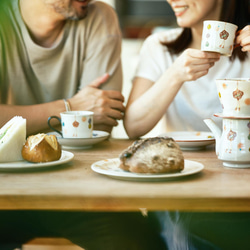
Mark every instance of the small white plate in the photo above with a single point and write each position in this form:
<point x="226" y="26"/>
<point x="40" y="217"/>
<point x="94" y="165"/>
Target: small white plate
<point x="191" y="140"/>
<point x="25" y="165"/>
<point x="81" y="143"/>
<point x="110" y="167"/>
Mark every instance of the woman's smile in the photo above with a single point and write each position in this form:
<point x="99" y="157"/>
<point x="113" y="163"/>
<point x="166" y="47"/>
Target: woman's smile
<point x="179" y="10"/>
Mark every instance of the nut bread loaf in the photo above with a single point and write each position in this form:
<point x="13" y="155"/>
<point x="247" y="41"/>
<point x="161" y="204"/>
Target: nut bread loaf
<point x="153" y="155"/>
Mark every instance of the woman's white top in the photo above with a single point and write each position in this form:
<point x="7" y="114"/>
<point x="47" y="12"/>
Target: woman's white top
<point x="196" y="100"/>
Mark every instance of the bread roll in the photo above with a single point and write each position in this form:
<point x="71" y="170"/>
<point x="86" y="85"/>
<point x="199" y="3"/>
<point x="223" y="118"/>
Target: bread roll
<point x="153" y="155"/>
<point x="41" y="148"/>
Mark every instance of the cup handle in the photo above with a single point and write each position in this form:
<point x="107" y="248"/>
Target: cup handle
<point x="237" y="45"/>
<point x="59" y="119"/>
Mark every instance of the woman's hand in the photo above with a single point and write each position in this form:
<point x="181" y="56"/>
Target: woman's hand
<point x="243" y="39"/>
<point x="193" y="64"/>
<point x="107" y="105"/>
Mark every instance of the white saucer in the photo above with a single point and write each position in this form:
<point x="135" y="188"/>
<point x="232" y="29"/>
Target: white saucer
<point x="236" y="164"/>
<point x="81" y="143"/>
<point x="191" y="140"/>
<point x="25" y="165"/>
<point x="110" y="167"/>
<point x="221" y="115"/>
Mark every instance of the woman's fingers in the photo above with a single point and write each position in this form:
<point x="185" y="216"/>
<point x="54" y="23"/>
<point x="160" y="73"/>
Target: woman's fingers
<point x="198" y="54"/>
<point x="243" y="39"/>
<point x="197" y="63"/>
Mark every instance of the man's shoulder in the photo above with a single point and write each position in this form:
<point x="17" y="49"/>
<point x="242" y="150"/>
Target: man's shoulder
<point x="101" y="19"/>
<point x="100" y="4"/>
<point x="101" y="8"/>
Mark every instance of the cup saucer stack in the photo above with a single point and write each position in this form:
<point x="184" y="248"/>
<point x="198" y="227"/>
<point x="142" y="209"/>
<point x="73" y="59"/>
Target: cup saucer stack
<point x="234" y="96"/>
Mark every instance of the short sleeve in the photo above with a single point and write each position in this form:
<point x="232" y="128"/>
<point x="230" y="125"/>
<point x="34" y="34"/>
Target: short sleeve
<point x="103" y="52"/>
<point x="148" y="64"/>
<point x="154" y="57"/>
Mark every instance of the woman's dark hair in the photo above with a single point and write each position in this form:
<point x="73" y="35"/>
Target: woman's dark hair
<point x="233" y="11"/>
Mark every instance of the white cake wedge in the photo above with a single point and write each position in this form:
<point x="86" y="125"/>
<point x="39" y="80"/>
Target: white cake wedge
<point x="12" y="139"/>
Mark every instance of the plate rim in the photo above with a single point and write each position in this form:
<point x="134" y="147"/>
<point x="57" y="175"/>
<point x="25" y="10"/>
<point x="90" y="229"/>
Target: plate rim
<point x="129" y="175"/>
<point x="190" y="140"/>
<point x="33" y="165"/>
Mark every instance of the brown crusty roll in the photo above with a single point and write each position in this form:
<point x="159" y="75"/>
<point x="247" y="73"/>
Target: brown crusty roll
<point x="153" y="155"/>
<point x="41" y="148"/>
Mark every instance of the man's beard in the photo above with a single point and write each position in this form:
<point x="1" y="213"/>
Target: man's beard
<point x="68" y="12"/>
<point x="77" y="16"/>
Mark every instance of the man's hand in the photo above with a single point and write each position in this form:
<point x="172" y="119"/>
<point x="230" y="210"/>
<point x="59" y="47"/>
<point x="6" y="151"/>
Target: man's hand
<point x="107" y="105"/>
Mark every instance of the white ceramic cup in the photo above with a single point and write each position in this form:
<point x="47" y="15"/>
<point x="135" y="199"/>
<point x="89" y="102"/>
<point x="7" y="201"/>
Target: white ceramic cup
<point x="234" y="96"/>
<point x="218" y="37"/>
<point x="75" y="124"/>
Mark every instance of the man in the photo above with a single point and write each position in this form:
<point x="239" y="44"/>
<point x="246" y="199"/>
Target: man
<point x="51" y="50"/>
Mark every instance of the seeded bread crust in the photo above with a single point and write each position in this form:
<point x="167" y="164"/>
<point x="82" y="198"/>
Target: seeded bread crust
<point x="153" y="155"/>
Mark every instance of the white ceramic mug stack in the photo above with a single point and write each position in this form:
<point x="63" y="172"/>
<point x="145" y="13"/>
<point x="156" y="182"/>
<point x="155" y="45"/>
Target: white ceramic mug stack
<point x="233" y="145"/>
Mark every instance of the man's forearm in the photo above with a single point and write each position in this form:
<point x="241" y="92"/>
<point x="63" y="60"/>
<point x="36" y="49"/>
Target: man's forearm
<point x="36" y="115"/>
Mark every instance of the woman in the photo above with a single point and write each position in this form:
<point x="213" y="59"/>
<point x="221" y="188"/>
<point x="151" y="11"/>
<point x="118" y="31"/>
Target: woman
<point x="175" y="79"/>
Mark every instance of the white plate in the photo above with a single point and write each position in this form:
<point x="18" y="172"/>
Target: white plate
<point x="189" y="140"/>
<point x="110" y="167"/>
<point x="81" y="143"/>
<point x="24" y="165"/>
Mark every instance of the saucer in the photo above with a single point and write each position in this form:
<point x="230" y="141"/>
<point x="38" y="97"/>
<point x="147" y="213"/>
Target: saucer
<point x="221" y="115"/>
<point x="81" y="143"/>
<point x="191" y="140"/>
<point x="235" y="164"/>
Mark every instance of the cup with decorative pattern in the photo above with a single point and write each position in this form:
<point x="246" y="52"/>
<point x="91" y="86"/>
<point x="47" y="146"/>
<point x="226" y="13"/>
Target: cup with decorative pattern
<point x="234" y="96"/>
<point x="232" y="141"/>
<point x="218" y="37"/>
<point x="75" y="124"/>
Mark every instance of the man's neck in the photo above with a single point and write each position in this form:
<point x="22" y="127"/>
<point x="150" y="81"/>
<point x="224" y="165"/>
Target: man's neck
<point x="44" y="25"/>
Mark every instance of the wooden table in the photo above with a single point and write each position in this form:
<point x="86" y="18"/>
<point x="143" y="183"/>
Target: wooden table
<point x="75" y="186"/>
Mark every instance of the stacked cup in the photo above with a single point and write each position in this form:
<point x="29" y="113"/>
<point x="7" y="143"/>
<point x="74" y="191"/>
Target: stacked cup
<point x="233" y="142"/>
<point x="234" y="96"/>
<point x="233" y="145"/>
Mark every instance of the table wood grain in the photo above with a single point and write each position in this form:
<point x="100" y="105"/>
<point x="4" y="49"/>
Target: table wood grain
<point x="74" y="186"/>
